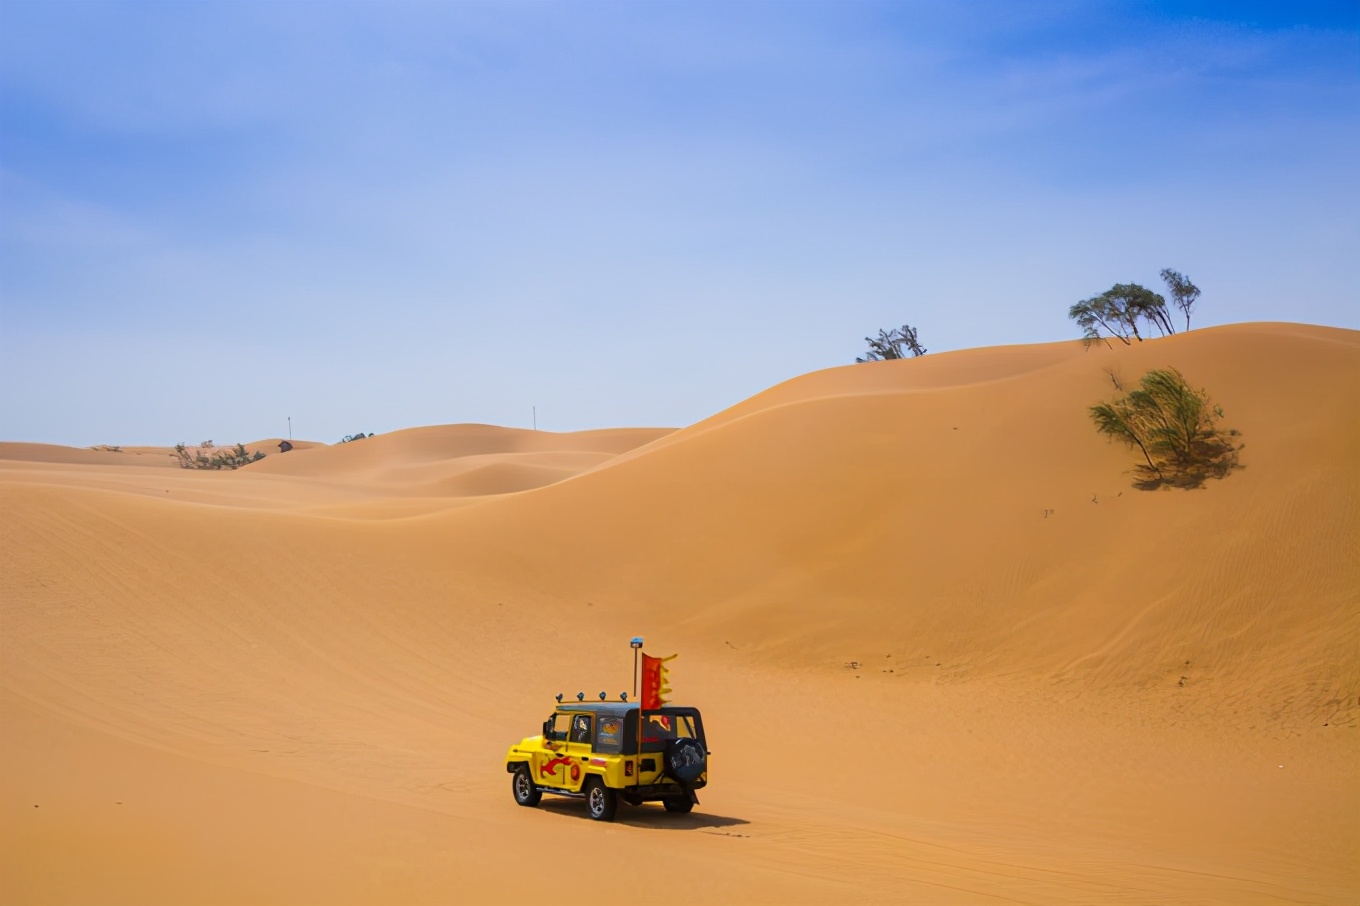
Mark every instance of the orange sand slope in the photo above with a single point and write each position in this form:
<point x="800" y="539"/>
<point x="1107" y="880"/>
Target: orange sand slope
<point x="397" y="474"/>
<point x="946" y="652"/>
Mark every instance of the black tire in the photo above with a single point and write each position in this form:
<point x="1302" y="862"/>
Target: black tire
<point x="601" y="801"/>
<point x="525" y="791"/>
<point x="678" y="804"/>
<point x="686" y="761"/>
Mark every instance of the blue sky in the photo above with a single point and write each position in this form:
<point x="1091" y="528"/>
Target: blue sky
<point x="370" y="217"/>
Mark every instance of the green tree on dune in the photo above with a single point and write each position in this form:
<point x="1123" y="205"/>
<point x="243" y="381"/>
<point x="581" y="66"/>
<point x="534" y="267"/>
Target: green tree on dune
<point x="1183" y="293"/>
<point x="1117" y="312"/>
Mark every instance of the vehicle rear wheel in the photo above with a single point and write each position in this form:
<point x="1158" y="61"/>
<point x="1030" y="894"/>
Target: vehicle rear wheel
<point x="522" y="785"/>
<point x="686" y="761"/>
<point x="680" y="804"/>
<point x="601" y="800"/>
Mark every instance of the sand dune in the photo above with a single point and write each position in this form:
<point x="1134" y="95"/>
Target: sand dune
<point x="51" y="454"/>
<point x="946" y="651"/>
<point x="459" y="460"/>
<point x="986" y="517"/>
<point x="380" y="475"/>
<point x="116" y="455"/>
<point x="442" y="443"/>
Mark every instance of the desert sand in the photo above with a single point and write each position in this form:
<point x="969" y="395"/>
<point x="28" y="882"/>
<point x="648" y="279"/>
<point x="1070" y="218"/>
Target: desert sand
<point x="945" y="651"/>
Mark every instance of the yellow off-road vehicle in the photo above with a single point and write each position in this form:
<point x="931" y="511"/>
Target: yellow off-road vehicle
<point x="597" y="752"/>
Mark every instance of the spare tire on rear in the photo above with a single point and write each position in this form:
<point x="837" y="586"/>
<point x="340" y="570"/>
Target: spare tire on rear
<point x="685" y="761"/>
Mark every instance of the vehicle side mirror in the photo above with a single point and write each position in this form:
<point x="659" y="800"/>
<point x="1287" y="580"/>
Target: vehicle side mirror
<point x="547" y="728"/>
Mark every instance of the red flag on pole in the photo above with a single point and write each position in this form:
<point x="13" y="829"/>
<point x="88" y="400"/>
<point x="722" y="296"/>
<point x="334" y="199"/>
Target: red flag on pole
<point x="654" y="681"/>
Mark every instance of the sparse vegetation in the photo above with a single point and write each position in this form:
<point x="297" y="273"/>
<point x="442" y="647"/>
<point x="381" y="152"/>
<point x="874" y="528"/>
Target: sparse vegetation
<point x="207" y="456"/>
<point x="1174" y="427"/>
<point x="898" y="343"/>
<point x="1183" y="292"/>
<point x="108" y="448"/>
<point x="1117" y="312"/>
<point x="351" y="437"/>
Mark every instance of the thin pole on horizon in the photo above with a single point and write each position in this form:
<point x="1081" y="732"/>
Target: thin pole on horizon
<point x="290" y="427"/>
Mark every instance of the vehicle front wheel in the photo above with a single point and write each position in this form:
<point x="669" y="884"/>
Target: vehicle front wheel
<point x="680" y="804"/>
<point x="522" y="785"/>
<point x="601" y="800"/>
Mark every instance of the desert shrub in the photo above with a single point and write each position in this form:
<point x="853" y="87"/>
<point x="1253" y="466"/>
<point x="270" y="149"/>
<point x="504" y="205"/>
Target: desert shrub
<point x="207" y="456"/>
<point x="898" y="343"/>
<point x="1174" y="427"/>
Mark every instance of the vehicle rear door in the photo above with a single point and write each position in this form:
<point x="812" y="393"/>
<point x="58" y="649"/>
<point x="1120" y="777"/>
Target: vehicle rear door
<point x="657" y="730"/>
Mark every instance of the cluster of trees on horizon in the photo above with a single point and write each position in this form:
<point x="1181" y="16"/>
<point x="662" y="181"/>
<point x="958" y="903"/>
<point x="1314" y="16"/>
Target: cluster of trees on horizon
<point x="207" y="456"/>
<point x="1119" y="309"/>
<point x="898" y="343"/>
<point x="1117" y="312"/>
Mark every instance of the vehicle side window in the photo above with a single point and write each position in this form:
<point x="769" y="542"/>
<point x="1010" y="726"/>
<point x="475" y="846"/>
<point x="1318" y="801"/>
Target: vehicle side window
<point x="580" y="728"/>
<point x="561" y="724"/>
<point x="684" y="727"/>
<point x="609" y="734"/>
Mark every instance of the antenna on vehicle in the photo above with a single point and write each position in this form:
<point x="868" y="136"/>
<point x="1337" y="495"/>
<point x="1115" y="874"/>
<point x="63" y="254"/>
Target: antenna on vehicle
<point x="635" y="643"/>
